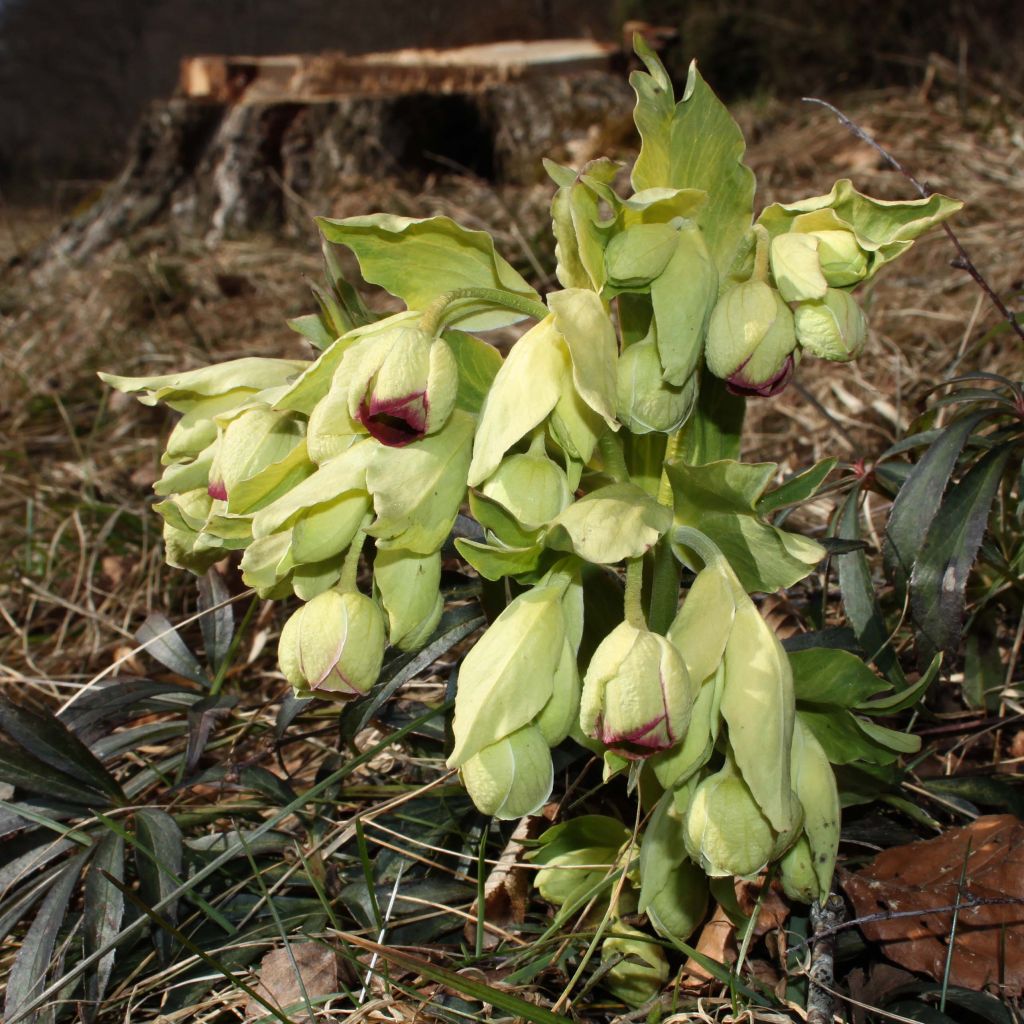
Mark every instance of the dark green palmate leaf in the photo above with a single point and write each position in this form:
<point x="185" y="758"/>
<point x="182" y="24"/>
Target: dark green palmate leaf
<point x="101" y="917"/>
<point x="22" y="770"/>
<point x="939" y="579"/>
<point x="829" y="676"/>
<point x="713" y="431"/>
<point x="49" y="741"/>
<point x="797" y="488"/>
<point x="27" y="979"/>
<point x="218" y="622"/>
<point x="158" y="860"/>
<point x="858" y="590"/>
<point x="164" y="643"/>
<point x="917" y="502"/>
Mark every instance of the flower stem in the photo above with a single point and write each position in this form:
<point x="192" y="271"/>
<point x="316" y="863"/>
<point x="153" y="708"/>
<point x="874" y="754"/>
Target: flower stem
<point x="435" y="317"/>
<point x="350" y="567"/>
<point x="634" y="605"/>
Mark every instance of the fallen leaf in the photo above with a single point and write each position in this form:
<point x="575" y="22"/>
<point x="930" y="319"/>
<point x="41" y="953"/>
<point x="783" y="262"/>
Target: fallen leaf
<point x="507" y="889"/>
<point x="279" y="983"/>
<point x="774" y="910"/>
<point x="718" y="942"/>
<point x="924" y="876"/>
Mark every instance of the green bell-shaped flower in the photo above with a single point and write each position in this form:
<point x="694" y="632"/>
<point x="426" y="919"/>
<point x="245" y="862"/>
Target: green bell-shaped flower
<point x="797" y="874"/>
<point x="333" y="646"/>
<point x="402" y="383"/>
<point x="751" y="340"/>
<point x="508" y="677"/>
<point x="832" y="328"/>
<point x="530" y="487"/>
<point x="259" y="456"/>
<point x="512" y="777"/>
<point x="637" y="694"/>
<point x="645" y="401"/>
<point x="844" y="262"/>
<point x="725" y="831"/>
<point x="641" y="968"/>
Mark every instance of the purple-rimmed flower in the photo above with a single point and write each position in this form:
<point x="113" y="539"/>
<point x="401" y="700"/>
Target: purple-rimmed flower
<point x="751" y="340"/>
<point x="401" y="383"/>
<point x="637" y="693"/>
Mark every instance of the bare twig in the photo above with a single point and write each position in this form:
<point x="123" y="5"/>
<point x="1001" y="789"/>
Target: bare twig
<point x="821" y="1006"/>
<point x="963" y="261"/>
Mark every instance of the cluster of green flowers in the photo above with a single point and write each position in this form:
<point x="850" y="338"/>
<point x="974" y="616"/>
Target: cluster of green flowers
<point x="583" y="452"/>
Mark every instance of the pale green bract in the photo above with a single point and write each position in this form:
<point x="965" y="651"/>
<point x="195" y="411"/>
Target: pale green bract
<point x="578" y="472"/>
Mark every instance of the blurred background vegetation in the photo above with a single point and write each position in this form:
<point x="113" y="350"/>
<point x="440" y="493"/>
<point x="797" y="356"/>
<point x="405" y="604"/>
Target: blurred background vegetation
<point x="75" y="78"/>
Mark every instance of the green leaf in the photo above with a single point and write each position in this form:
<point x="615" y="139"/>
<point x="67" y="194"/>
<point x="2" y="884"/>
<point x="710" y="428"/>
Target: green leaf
<point x="163" y="642"/>
<point x="1005" y="797"/>
<point x="27" y="976"/>
<point x="581" y="319"/>
<point x="636" y="256"/>
<point x="693" y="144"/>
<point x="610" y="524"/>
<point x="312" y="327"/>
<point x="829" y="676"/>
<point x="20" y="769"/>
<point x="586" y="831"/>
<point x="797" y="488"/>
<point x="720" y="500"/>
<point x="939" y="580"/>
<point x="49" y="739"/>
<point x="417" y="490"/>
<point x="884" y="228"/>
<point x="901" y="742"/>
<point x="984" y="672"/>
<point x="420" y="260"/>
<point x="478" y="366"/>
<point x="218" y="621"/>
<point x="103" y="909"/>
<point x="917" y="502"/>
<point x="842" y="738"/>
<point x="495" y="563"/>
<point x="158" y="860"/>
<point x="858" y="590"/>
<point x="905" y="698"/>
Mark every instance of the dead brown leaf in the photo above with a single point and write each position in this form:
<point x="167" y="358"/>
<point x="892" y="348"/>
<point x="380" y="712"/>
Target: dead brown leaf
<point x="279" y="982"/>
<point x="717" y="941"/>
<point x="924" y="876"/>
<point x="507" y="889"/>
<point x="774" y="911"/>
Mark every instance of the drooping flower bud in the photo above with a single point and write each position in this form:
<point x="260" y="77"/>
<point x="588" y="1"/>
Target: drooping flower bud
<point x="645" y="401"/>
<point x="832" y="328"/>
<point x="726" y="833"/>
<point x="751" y="339"/>
<point x="512" y="777"/>
<point x="642" y="968"/>
<point x="843" y="261"/>
<point x="409" y="590"/>
<point x="259" y="456"/>
<point x="637" y="694"/>
<point x="402" y="383"/>
<point x="796" y="871"/>
<point x="333" y="646"/>
<point x="531" y="487"/>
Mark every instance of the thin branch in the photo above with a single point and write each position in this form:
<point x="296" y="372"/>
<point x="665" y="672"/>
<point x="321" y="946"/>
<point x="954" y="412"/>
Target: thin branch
<point x="963" y="261"/>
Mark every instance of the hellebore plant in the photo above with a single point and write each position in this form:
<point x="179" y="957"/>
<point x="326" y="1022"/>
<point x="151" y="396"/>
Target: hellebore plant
<point x="599" y="457"/>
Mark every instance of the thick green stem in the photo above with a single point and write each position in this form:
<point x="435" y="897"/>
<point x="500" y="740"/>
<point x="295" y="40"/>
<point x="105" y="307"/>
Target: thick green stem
<point x="671" y="451"/>
<point x="664" y="600"/>
<point x="634" y="604"/>
<point x="436" y="315"/>
<point x="350" y="567"/>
